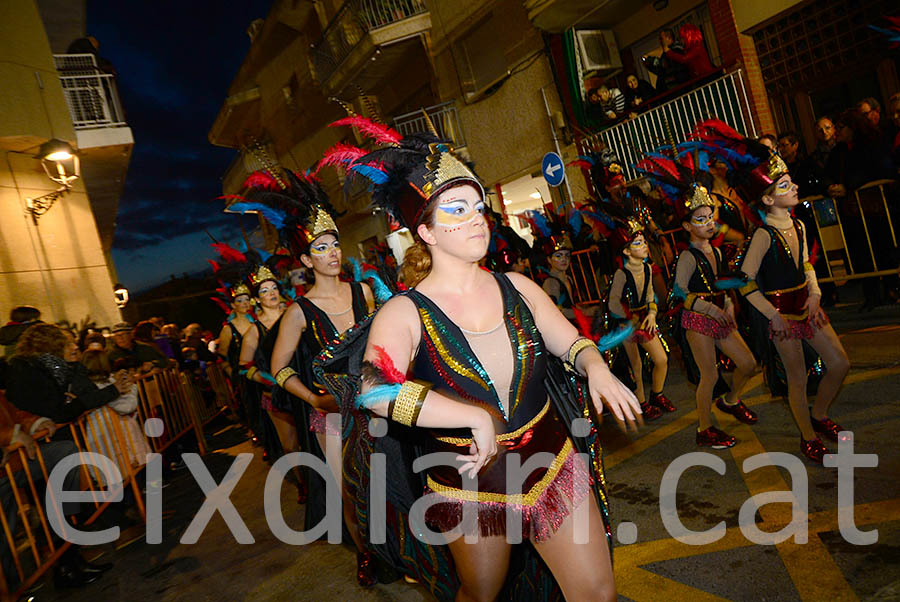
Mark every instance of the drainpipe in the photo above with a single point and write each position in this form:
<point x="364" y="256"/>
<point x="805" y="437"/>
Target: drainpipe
<point x="556" y="144"/>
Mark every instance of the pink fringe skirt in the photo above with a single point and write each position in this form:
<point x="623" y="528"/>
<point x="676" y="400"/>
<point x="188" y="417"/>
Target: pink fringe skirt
<point x="704" y="325"/>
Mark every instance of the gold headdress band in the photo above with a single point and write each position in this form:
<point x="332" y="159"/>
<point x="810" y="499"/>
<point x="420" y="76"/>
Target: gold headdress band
<point x="562" y="243"/>
<point x="320" y="222"/>
<point x="262" y="274"/>
<point x="633" y="228"/>
<point x="241" y="289"/>
<point x="444" y="167"/>
<point x="698" y="197"/>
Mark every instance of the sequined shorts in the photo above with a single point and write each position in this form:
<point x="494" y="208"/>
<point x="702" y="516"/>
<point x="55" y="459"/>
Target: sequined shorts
<point x="800" y="330"/>
<point x="318" y="423"/>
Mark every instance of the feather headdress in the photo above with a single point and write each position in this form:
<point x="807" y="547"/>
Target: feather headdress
<point x="676" y="172"/>
<point x="405" y="172"/>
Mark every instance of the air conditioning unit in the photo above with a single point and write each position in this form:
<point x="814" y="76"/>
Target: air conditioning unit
<point x="598" y="50"/>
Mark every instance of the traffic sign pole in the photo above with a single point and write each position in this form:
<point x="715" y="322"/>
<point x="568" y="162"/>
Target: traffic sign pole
<point x="556" y="144"/>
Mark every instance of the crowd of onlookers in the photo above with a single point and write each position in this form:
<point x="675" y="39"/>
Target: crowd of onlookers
<point x="50" y="376"/>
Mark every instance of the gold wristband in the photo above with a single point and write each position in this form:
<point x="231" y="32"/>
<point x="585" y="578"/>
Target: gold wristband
<point x="808" y="267"/>
<point x="409" y="402"/>
<point x="251" y="371"/>
<point x="652" y="307"/>
<point x="577" y="347"/>
<point x="283" y="375"/>
<point x="748" y="288"/>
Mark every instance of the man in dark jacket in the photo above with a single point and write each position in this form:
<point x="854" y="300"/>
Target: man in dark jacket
<point x="669" y="74"/>
<point x="20" y="318"/>
<point x="124" y="345"/>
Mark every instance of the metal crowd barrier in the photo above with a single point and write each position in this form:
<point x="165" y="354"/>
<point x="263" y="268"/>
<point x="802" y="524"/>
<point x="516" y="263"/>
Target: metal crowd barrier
<point x="169" y="395"/>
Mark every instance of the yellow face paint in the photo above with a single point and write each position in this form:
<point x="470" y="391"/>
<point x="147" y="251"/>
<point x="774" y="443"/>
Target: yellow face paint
<point x="701" y="220"/>
<point x="323" y="248"/>
<point x="454" y="214"/>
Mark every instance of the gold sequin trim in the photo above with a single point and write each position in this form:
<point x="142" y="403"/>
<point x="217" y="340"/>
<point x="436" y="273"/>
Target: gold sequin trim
<point x="410" y="395"/>
<point x="446" y="356"/>
<point x="577" y="347"/>
<point x="503" y="437"/>
<point x="526" y="499"/>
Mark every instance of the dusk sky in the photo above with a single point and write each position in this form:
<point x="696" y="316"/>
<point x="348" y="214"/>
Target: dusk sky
<point x="175" y="61"/>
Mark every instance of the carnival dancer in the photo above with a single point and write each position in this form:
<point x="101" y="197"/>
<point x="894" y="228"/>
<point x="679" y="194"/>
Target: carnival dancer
<point x="462" y="358"/>
<point x="557" y="285"/>
<point x="238" y="321"/>
<point x="783" y="289"/>
<point x="300" y="209"/>
<point x="707" y="316"/>
<point x="631" y="299"/>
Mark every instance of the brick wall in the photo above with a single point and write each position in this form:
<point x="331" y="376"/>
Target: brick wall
<point x="736" y="47"/>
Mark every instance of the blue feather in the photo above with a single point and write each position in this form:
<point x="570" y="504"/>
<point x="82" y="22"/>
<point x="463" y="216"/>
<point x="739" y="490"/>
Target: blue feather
<point x="242" y="246"/>
<point x="588" y="159"/>
<point x="602" y="218"/>
<point x="678" y="292"/>
<point x="724" y="284"/>
<point x="291" y="293"/>
<point x="893" y="36"/>
<point x="377" y="395"/>
<point x="375" y="175"/>
<point x="263" y="254"/>
<point x="357" y="269"/>
<point x="275" y="217"/>
<point x="576" y="221"/>
<point x="616" y="338"/>
<point x="381" y="290"/>
<point x="541" y="222"/>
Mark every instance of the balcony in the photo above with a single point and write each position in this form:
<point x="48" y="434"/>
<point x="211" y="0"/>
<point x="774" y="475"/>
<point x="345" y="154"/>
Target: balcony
<point x="361" y="32"/>
<point x="443" y="117"/>
<point x="724" y="98"/>
<point x="104" y="139"/>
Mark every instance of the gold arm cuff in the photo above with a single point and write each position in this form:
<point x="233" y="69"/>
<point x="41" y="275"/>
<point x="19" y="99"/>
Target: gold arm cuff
<point x="251" y="372"/>
<point x="409" y="402"/>
<point x="652" y="307"/>
<point x="577" y="347"/>
<point x="283" y="375"/>
<point x="689" y="301"/>
<point x="748" y="288"/>
<point x="808" y="267"/>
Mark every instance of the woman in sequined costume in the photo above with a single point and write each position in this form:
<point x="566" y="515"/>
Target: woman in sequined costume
<point x="471" y="349"/>
<point x="231" y="338"/>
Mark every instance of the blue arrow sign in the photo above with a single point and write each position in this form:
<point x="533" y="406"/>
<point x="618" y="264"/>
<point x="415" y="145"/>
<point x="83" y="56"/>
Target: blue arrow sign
<point x="553" y="169"/>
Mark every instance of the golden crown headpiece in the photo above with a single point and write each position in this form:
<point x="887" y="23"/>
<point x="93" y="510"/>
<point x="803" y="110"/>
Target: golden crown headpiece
<point x="633" y="228"/>
<point x="561" y="242"/>
<point x="262" y="274"/>
<point x="241" y="289"/>
<point x="320" y="222"/>
<point x="697" y="196"/>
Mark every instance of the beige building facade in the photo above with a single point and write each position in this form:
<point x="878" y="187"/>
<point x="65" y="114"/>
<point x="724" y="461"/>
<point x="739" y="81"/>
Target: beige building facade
<point x="59" y="262"/>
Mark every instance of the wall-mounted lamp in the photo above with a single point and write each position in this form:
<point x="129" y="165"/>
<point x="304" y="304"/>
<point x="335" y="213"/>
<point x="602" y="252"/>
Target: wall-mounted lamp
<point x="62" y="166"/>
<point x="121" y="294"/>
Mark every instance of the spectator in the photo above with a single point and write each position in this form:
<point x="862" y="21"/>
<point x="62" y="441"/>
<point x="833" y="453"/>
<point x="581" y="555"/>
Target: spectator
<point x="693" y="55"/>
<point x="870" y="109"/>
<point x="193" y="338"/>
<point x="892" y="132"/>
<point x="802" y="172"/>
<point x="825" y="141"/>
<point x="124" y="345"/>
<point x="859" y="156"/>
<point x="769" y="140"/>
<point x="669" y="74"/>
<point x="42" y="381"/>
<point x="20" y="318"/>
<point x="94" y="341"/>
<point x="637" y="91"/>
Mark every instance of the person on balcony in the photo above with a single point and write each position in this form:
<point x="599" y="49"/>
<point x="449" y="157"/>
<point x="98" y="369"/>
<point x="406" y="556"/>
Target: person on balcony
<point x="669" y="74"/>
<point x="637" y="91"/>
<point x="694" y="56"/>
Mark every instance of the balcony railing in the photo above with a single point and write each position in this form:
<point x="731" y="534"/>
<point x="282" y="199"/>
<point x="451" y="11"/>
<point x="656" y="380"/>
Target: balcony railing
<point x="444" y="117"/>
<point x="91" y="94"/>
<point x="724" y="98"/>
<point x="353" y="21"/>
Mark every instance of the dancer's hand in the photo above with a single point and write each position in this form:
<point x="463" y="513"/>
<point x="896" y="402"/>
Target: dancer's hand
<point x="779" y="326"/>
<point x="606" y="388"/>
<point x="816" y="315"/>
<point x="484" y="445"/>
<point x="649" y="324"/>
<point x="720" y="316"/>
<point x="326" y="403"/>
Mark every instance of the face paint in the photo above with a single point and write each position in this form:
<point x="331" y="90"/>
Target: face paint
<point x="784" y="186"/>
<point x="701" y="220"/>
<point x="454" y="214"/>
<point x="638" y="243"/>
<point x="267" y="288"/>
<point x="323" y="248"/>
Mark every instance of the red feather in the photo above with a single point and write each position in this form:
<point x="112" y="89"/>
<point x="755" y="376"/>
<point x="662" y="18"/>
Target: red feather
<point x="214" y="264"/>
<point x="659" y="166"/>
<point x="229" y="253"/>
<point x="221" y="305"/>
<point x="261" y="179"/>
<point x="814" y="253"/>
<point x="385" y="365"/>
<point x="580" y="163"/>
<point x="711" y="128"/>
<point x="584" y="325"/>
<point x="340" y="154"/>
<point x="377" y="131"/>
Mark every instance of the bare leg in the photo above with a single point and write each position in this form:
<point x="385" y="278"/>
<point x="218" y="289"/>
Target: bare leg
<point x="704" y="350"/>
<point x="481" y="567"/>
<point x="791" y="352"/>
<point x="829" y="348"/>
<point x="744" y="363"/>
<point x="660" y="364"/>
<point x="583" y="571"/>
<point x="634" y="358"/>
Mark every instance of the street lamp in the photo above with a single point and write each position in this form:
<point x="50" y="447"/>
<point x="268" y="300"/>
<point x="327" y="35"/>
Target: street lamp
<point x="121" y="294"/>
<point x="62" y="166"/>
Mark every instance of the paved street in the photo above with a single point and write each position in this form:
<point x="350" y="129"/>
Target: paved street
<point x="655" y="567"/>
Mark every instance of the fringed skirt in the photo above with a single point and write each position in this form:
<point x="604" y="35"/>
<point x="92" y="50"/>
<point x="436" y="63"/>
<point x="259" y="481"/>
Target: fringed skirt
<point x="704" y="324"/>
<point x="542" y="501"/>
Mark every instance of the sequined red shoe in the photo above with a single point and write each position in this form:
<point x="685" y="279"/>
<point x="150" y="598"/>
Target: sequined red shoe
<point x="365" y="569"/>
<point x="650" y="412"/>
<point x="662" y="402"/>
<point x="813" y="449"/>
<point x="715" y="438"/>
<point x="827" y="427"/>
<point x="738" y="410"/>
